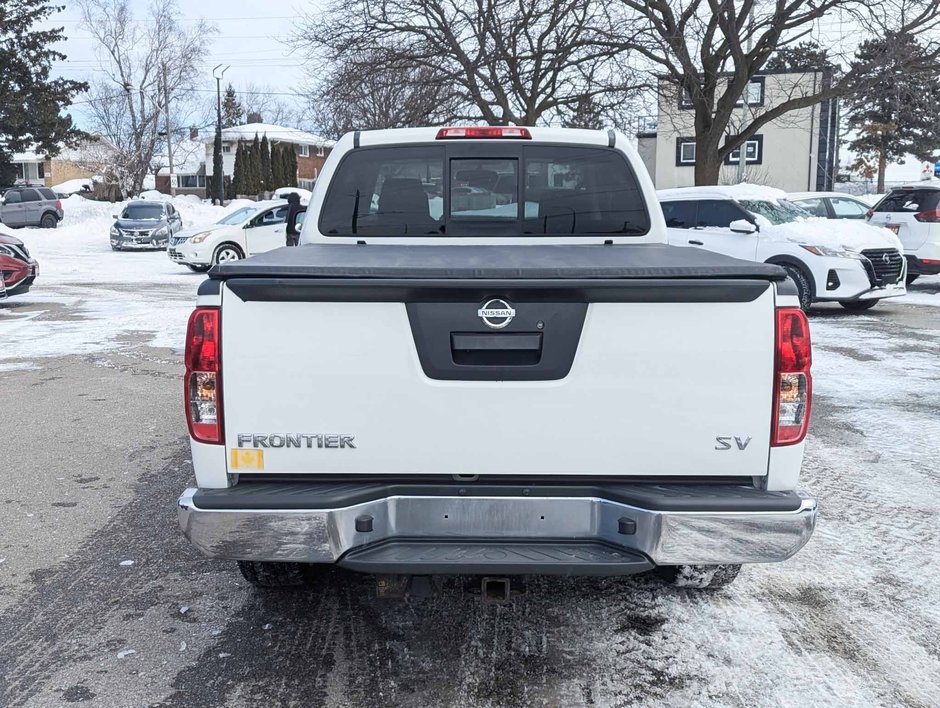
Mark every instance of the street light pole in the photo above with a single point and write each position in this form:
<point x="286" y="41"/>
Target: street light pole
<point x="742" y="157"/>
<point x="218" y="165"/>
<point x="169" y="131"/>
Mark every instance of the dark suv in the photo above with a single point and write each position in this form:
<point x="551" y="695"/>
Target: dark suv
<point x="30" y="206"/>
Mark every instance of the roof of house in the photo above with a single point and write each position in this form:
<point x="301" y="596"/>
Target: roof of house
<point x="188" y="157"/>
<point x="274" y="132"/>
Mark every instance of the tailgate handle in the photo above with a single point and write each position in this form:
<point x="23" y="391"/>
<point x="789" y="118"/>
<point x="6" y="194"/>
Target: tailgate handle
<point x="480" y="349"/>
<point x="496" y="342"/>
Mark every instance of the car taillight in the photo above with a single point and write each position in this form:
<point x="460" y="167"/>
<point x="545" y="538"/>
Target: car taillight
<point x="930" y="217"/>
<point x="793" y="383"/>
<point x="58" y="204"/>
<point x="486" y="132"/>
<point x="203" y="384"/>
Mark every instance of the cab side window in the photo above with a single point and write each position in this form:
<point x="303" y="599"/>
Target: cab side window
<point x="679" y="215"/>
<point x="816" y="207"/>
<point x="718" y="214"/>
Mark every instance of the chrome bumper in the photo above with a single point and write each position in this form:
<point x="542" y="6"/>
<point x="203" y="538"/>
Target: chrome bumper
<point x="665" y="537"/>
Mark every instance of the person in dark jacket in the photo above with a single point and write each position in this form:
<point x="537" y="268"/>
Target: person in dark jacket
<point x="293" y="209"/>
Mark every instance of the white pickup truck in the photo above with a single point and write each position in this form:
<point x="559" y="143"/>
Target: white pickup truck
<point x="484" y="359"/>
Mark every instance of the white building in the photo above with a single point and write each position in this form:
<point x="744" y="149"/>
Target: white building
<point x="796" y="152"/>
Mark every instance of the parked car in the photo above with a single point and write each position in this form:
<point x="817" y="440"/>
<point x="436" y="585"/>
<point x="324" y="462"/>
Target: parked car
<point x="913" y="213"/>
<point x="145" y="224"/>
<point x="30" y="206"/>
<point x="18" y="270"/>
<point x="831" y="205"/>
<point x="541" y="386"/>
<point x="252" y="229"/>
<point x="847" y="262"/>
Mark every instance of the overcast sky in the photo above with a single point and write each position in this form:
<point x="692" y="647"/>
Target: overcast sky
<point x="248" y="40"/>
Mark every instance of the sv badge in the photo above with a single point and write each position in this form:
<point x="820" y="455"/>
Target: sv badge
<point x="724" y="443"/>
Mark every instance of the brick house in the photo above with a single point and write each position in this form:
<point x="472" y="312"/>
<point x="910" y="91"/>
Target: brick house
<point x="311" y="150"/>
<point x="83" y="161"/>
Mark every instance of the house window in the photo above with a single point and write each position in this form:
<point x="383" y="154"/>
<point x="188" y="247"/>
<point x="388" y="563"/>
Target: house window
<point x="753" y="152"/>
<point x="685" y="152"/>
<point x="305" y="151"/>
<point x="321" y="151"/>
<point x="754" y="92"/>
<point x="190" y="181"/>
<point x="227" y="148"/>
<point x="306" y="183"/>
<point x="685" y="97"/>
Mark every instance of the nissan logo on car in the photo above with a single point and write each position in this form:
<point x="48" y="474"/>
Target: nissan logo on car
<point x="496" y="314"/>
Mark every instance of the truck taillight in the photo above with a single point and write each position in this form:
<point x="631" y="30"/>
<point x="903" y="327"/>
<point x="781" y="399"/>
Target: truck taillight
<point x="793" y="383"/>
<point x="930" y="217"/>
<point x="203" y="384"/>
<point x="499" y="132"/>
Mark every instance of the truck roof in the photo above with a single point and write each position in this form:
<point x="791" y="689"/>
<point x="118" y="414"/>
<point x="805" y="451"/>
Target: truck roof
<point x="398" y="136"/>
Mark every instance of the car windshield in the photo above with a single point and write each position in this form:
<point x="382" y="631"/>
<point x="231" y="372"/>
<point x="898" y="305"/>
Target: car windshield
<point x="239" y="216"/>
<point x="143" y="212"/>
<point x="779" y="211"/>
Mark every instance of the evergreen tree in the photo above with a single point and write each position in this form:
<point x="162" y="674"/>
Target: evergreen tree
<point x="238" y="172"/>
<point x="267" y="176"/>
<point x="276" y="165"/>
<point x="895" y="114"/>
<point x="232" y="110"/>
<point x="31" y="103"/>
<point x="255" y="166"/>
<point x="291" y="166"/>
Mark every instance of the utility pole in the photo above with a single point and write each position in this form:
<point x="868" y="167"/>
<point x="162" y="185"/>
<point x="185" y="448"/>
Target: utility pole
<point x="218" y="165"/>
<point x="169" y="131"/>
<point x="742" y="157"/>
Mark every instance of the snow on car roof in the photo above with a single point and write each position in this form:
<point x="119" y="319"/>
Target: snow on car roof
<point x="734" y="191"/>
<point x="815" y="195"/>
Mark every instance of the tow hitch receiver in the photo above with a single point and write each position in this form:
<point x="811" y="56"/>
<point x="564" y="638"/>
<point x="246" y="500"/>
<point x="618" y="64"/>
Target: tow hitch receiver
<point x="495" y="591"/>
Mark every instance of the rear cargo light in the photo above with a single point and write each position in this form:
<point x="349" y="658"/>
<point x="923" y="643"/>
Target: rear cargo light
<point x="203" y="384"/>
<point x="930" y="217"/>
<point x="793" y="383"/>
<point x="489" y="132"/>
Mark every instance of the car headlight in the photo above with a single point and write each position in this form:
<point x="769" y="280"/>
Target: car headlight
<point x="115" y="231"/>
<point x="162" y="231"/>
<point x="832" y="252"/>
<point x="6" y="251"/>
<point x="200" y="237"/>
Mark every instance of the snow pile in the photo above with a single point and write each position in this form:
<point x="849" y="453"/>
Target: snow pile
<point x="89" y="298"/>
<point x="74" y="186"/>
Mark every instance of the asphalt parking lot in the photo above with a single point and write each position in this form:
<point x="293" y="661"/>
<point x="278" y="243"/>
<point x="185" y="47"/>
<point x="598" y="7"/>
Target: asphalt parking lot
<point x="103" y="602"/>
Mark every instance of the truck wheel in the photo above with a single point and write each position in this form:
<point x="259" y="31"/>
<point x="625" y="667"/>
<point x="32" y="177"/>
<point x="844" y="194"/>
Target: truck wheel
<point x="265" y="574"/>
<point x="48" y="221"/>
<point x="911" y="277"/>
<point x="858" y="305"/>
<point x="198" y="268"/>
<point x="227" y="252"/>
<point x="803" y="287"/>
<point x="700" y="577"/>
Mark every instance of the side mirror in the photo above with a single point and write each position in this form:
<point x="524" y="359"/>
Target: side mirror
<point x="743" y="226"/>
<point x="115" y="217"/>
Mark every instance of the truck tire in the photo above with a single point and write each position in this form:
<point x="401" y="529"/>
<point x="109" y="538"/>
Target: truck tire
<point x="700" y="577"/>
<point x="804" y="288"/>
<point x="858" y="305"/>
<point x="48" y="221"/>
<point x="265" y="574"/>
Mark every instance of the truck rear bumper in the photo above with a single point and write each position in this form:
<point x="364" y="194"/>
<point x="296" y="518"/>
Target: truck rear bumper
<point x="598" y="530"/>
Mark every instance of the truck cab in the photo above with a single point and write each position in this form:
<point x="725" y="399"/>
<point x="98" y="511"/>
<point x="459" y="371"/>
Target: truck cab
<point x="484" y="359"/>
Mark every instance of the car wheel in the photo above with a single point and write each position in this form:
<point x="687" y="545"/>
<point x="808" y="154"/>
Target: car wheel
<point x="198" y="268"/>
<point x="115" y="248"/>
<point x="911" y="277"/>
<point x="858" y="305"/>
<point x="266" y="574"/>
<point x="48" y="221"/>
<point x="227" y="252"/>
<point x="699" y="577"/>
<point x="804" y="288"/>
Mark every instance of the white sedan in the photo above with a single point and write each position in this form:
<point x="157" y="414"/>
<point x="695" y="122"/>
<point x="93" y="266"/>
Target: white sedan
<point x="252" y="229"/>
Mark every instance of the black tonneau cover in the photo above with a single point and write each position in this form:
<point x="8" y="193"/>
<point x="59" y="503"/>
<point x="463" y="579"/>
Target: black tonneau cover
<point x="529" y="262"/>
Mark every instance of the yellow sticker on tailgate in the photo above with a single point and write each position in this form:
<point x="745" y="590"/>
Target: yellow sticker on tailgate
<point x="247" y="459"/>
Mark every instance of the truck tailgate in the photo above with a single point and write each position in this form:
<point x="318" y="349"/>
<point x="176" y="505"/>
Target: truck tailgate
<point x="633" y="375"/>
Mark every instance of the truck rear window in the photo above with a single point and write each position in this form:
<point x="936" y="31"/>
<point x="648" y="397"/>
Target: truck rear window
<point x="912" y="200"/>
<point x="518" y="190"/>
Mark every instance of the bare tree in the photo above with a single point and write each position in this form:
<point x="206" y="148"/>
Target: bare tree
<point x="708" y="51"/>
<point x="500" y="61"/>
<point x="273" y="105"/>
<point x="145" y="65"/>
<point x="362" y="92"/>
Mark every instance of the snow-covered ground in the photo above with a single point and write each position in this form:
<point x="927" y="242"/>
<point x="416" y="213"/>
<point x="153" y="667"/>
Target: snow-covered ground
<point x="88" y="298"/>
